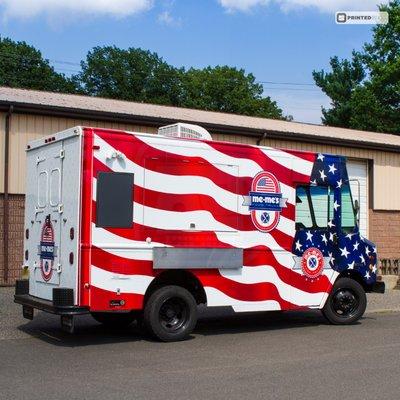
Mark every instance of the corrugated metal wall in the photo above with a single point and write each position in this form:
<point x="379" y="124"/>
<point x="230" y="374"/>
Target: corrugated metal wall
<point x="386" y="166"/>
<point x="25" y="128"/>
<point x="2" y="134"/>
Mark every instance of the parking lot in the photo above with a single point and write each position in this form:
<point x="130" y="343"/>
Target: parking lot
<point x="265" y="355"/>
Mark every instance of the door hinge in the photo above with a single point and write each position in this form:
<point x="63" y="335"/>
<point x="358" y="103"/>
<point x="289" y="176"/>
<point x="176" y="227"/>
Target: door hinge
<point x="39" y="160"/>
<point x="60" y="208"/>
<point x="58" y="269"/>
<point x="61" y="154"/>
<point x="38" y="211"/>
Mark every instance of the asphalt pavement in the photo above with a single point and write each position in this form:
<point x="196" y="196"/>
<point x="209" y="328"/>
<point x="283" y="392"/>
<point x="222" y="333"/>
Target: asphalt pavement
<point x="229" y="356"/>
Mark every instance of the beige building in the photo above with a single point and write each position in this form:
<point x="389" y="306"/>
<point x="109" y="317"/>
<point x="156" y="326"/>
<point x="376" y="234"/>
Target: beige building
<point x="373" y="158"/>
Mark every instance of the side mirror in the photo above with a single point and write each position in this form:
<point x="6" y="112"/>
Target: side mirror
<point x="356" y="206"/>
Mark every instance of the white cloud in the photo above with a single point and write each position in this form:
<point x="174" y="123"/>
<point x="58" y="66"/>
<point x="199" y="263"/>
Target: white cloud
<point x="33" y="8"/>
<point x="288" y="5"/>
<point x="167" y="19"/>
<point x="241" y="5"/>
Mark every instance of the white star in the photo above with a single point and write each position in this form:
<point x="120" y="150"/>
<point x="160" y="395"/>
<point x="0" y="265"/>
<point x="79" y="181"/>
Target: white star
<point x="314" y="182"/>
<point x="349" y="235"/>
<point x="367" y="275"/>
<point x="351" y="265"/>
<point x="320" y="157"/>
<point x="331" y="236"/>
<point x="344" y="251"/>
<point x="330" y="223"/>
<point x="367" y="251"/>
<point x="324" y="239"/>
<point x="323" y="176"/>
<point x="309" y="236"/>
<point x="355" y="246"/>
<point x="332" y="168"/>
<point x="335" y="205"/>
<point x="374" y="250"/>
<point x="374" y="269"/>
<point x="339" y="184"/>
<point x="298" y="245"/>
<point x="331" y="258"/>
<point x="362" y="259"/>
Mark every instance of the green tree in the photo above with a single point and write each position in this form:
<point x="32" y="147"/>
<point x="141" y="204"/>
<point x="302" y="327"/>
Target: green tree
<point x="339" y="85"/>
<point x="132" y="74"/>
<point x="23" y="66"/>
<point x="365" y="91"/>
<point x="139" y="75"/>
<point x="227" y="89"/>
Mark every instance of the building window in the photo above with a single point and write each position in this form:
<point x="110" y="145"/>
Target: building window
<point x="114" y="200"/>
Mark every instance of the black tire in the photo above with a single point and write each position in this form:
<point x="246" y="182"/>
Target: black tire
<point x="346" y="303"/>
<point x="170" y="313"/>
<point x="114" y="319"/>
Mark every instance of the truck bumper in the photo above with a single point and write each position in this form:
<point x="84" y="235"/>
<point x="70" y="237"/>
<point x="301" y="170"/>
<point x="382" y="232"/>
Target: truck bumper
<point x="378" y="287"/>
<point x="62" y="303"/>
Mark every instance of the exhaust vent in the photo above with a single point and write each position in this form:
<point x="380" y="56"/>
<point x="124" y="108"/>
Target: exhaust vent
<point x="185" y="131"/>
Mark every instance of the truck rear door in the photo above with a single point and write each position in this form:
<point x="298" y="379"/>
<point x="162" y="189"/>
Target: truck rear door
<point x="52" y="213"/>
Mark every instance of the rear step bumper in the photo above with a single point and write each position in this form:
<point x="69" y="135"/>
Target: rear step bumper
<point x="62" y="303"/>
<point x="48" y="306"/>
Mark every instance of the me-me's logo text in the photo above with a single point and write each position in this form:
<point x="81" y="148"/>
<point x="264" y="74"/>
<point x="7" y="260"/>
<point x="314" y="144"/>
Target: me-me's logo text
<point x="361" y="17"/>
<point x="265" y="201"/>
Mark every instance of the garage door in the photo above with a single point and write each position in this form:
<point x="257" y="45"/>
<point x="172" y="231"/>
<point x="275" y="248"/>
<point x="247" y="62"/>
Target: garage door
<point x="359" y="170"/>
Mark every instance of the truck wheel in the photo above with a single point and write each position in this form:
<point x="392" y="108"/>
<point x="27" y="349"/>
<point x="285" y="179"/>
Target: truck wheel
<point x="114" y="319"/>
<point x="347" y="302"/>
<point x="170" y="313"/>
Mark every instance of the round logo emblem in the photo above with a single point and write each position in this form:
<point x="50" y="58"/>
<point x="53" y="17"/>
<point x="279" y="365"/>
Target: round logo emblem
<point x="312" y="262"/>
<point x="46" y="250"/>
<point x="265" y="188"/>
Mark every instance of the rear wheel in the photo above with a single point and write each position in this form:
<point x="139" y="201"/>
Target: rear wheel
<point x="170" y="313"/>
<point x="347" y="302"/>
<point x="114" y="319"/>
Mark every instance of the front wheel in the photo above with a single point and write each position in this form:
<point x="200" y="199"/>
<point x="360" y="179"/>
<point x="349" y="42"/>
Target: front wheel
<point x="347" y="302"/>
<point x="170" y="313"/>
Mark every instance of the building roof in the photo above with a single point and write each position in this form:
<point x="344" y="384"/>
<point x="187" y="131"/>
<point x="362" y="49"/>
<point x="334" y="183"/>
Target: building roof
<point x="41" y="102"/>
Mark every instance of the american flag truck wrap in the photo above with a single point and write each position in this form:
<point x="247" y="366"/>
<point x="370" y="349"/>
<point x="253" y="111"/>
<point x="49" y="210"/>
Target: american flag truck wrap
<point x="139" y="226"/>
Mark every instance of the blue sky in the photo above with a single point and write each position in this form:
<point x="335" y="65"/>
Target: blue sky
<point x="278" y="41"/>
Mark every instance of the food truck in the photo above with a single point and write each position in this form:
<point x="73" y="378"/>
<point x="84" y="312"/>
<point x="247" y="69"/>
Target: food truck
<point x="128" y="226"/>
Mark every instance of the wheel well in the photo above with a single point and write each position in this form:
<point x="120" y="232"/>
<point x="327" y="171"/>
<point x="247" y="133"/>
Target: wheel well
<point x="356" y="276"/>
<point x="181" y="278"/>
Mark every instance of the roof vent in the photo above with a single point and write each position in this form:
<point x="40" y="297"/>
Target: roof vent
<point x="185" y="131"/>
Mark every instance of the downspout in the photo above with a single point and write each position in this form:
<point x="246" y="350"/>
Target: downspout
<point x="261" y="138"/>
<point x="6" y="205"/>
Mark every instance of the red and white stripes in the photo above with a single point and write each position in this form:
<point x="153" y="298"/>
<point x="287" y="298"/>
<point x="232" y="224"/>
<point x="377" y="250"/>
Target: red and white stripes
<point x="189" y="193"/>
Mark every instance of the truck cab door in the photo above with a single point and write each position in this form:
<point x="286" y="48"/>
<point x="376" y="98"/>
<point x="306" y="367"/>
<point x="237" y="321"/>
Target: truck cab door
<point x="316" y="240"/>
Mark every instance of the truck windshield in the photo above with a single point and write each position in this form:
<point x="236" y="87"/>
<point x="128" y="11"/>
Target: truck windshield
<point x="349" y="216"/>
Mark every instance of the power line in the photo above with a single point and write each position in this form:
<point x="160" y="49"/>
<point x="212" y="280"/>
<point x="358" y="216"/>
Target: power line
<point x="287" y="83"/>
<point x="70" y="63"/>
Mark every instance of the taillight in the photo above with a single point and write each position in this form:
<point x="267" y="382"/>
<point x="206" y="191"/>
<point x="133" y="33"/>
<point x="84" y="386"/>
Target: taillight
<point x="26" y="255"/>
<point x="27" y="233"/>
<point x="71" y="233"/>
<point x="71" y="258"/>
